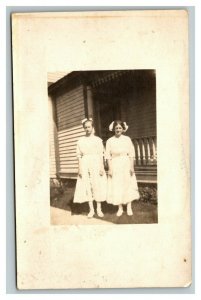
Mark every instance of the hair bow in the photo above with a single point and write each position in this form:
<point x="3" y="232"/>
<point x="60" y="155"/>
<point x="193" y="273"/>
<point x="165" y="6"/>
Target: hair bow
<point x="86" y="119"/>
<point x="111" y="126"/>
<point x="125" y="126"/>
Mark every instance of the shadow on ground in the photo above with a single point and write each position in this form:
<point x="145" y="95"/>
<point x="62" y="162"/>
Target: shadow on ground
<point x="144" y="212"/>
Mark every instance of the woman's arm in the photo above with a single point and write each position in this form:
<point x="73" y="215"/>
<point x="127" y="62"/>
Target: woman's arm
<point x="80" y="167"/>
<point x="131" y="156"/>
<point x="101" y="172"/>
<point x="101" y="169"/>
<point x="109" y="162"/>
<point x="109" y="157"/>
<point x="79" y="157"/>
<point x="131" y="165"/>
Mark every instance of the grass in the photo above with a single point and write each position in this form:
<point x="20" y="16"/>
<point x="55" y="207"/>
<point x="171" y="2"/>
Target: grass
<point x="143" y="212"/>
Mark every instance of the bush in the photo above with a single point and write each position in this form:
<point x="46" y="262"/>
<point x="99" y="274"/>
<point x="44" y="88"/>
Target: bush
<point x="148" y="193"/>
<point x="58" y="186"/>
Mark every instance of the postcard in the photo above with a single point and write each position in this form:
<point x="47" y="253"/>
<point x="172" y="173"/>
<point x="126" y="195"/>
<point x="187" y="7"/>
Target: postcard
<point x="102" y="164"/>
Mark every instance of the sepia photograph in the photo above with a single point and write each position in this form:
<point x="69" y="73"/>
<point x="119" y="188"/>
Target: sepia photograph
<point x="101" y="141"/>
<point x="103" y="151"/>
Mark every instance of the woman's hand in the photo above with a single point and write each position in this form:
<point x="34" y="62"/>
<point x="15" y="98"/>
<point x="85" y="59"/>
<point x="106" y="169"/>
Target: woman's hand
<point x="110" y="173"/>
<point x="131" y="166"/>
<point x="101" y="172"/>
<point x="80" y="173"/>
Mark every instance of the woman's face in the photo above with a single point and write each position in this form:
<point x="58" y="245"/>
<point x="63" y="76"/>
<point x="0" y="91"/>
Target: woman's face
<point x="88" y="128"/>
<point x="118" y="130"/>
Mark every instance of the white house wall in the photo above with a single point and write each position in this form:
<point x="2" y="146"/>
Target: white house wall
<point x="69" y="111"/>
<point x="52" y="142"/>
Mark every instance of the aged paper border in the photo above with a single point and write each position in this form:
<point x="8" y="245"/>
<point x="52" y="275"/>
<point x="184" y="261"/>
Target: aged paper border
<point x="173" y="215"/>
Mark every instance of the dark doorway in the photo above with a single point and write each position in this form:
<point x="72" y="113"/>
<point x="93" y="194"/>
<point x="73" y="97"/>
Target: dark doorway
<point x="107" y="108"/>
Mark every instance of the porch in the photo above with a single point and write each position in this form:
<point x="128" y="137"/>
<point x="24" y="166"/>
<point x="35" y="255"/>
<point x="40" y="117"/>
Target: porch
<point x="145" y="159"/>
<point x="129" y="95"/>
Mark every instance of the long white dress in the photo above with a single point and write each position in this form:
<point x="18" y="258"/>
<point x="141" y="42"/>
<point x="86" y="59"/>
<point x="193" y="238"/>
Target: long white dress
<point x="91" y="186"/>
<point x="122" y="187"/>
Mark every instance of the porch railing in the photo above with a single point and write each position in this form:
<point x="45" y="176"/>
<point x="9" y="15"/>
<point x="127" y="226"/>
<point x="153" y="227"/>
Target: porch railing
<point x="145" y="150"/>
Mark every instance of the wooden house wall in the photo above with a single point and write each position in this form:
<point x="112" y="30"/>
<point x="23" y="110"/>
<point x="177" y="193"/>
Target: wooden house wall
<point x="70" y="111"/>
<point x="52" y="139"/>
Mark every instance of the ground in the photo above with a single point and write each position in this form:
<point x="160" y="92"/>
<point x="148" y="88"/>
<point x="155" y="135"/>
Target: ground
<point x="64" y="211"/>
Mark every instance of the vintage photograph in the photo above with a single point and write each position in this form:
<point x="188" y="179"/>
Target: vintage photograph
<point x="103" y="147"/>
<point x="101" y="132"/>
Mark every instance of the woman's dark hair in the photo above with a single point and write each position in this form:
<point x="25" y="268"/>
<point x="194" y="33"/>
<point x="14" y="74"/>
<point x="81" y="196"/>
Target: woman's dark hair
<point x="118" y="122"/>
<point x="91" y="121"/>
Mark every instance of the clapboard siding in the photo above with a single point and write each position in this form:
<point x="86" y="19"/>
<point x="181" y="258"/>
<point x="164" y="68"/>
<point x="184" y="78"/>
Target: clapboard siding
<point x="71" y="135"/>
<point x="70" y="117"/>
<point x="75" y="102"/>
<point x="69" y="142"/>
<point x="69" y="111"/>
<point x="52" y="139"/>
<point x="69" y="164"/>
<point x="73" y="113"/>
<point x="71" y="130"/>
<point x="69" y="171"/>
<point x="69" y="114"/>
<point x="70" y="152"/>
<point x="68" y="124"/>
<point x="71" y="139"/>
<point x="70" y="159"/>
<point x="69" y="94"/>
<point x="71" y="149"/>
<point x="68" y="155"/>
<point x="63" y="111"/>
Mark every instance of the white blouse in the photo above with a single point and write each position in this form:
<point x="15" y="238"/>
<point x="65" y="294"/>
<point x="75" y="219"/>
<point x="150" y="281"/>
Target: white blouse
<point x="116" y="146"/>
<point x="87" y="145"/>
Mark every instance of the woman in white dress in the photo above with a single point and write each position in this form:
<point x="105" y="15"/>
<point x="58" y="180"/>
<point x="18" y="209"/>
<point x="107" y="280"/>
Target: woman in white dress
<point x="122" y="183"/>
<point x="91" y="183"/>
